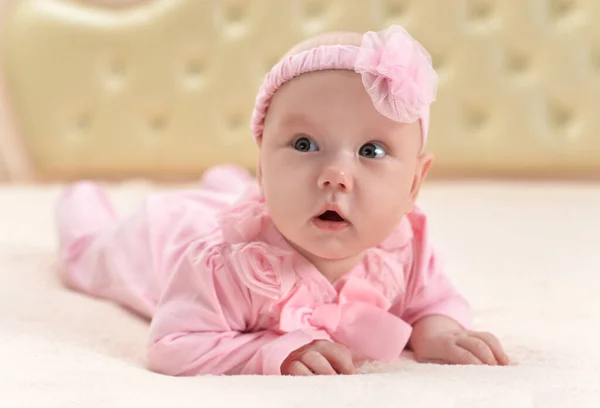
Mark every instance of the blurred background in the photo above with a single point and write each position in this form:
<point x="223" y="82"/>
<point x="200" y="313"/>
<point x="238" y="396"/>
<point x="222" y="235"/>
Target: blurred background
<point x="163" y="89"/>
<point x="155" y="91"/>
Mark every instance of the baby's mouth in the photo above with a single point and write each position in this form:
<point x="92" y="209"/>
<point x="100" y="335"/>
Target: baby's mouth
<point x="331" y="220"/>
<point x="331" y="216"/>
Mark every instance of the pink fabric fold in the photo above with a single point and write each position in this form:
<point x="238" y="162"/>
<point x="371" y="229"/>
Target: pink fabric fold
<point x="397" y="73"/>
<point x="357" y="319"/>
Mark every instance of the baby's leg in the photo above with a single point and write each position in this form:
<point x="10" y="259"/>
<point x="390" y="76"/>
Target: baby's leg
<point x="104" y="256"/>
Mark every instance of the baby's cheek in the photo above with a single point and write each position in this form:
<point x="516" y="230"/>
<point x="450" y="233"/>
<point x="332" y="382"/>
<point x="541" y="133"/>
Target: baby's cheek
<point x="392" y="198"/>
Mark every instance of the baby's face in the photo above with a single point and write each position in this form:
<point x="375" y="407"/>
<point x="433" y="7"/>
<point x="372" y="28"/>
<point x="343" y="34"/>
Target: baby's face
<point x="325" y="147"/>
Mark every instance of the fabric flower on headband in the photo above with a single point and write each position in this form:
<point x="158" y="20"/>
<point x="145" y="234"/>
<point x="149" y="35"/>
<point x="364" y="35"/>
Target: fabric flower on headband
<point x="397" y="73"/>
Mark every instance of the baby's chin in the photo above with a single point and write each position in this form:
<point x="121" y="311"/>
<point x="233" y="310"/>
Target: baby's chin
<point x="332" y="251"/>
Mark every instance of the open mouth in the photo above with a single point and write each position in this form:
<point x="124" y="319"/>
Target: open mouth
<point x="331" y="216"/>
<point x="331" y="221"/>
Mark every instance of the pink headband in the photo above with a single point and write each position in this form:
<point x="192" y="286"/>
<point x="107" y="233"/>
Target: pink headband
<point x="396" y="72"/>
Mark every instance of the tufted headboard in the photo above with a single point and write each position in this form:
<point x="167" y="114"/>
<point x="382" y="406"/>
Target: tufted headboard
<point x="163" y="89"/>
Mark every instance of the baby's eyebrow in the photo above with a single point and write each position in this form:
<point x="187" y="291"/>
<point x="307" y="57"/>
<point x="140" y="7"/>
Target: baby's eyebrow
<point x="291" y="119"/>
<point x="297" y="121"/>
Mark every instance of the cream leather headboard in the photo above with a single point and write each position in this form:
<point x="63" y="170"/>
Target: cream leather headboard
<point x="164" y="88"/>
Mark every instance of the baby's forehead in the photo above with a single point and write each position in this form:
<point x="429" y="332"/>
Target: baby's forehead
<point x="330" y="94"/>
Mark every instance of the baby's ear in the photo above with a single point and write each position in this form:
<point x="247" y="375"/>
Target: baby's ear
<point x="424" y="163"/>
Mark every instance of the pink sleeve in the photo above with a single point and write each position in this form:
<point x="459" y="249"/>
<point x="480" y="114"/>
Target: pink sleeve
<point x="429" y="289"/>
<point x="200" y="323"/>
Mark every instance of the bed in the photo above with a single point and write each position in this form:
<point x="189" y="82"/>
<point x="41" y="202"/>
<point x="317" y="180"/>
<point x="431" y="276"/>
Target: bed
<point x="138" y="96"/>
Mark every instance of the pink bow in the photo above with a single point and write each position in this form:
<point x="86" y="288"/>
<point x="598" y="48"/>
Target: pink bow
<point x="397" y="73"/>
<point x="359" y="319"/>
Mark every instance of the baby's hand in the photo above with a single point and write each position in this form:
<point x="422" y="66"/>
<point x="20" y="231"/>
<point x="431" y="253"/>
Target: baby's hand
<point x="466" y="347"/>
<point x="321" y="357"/>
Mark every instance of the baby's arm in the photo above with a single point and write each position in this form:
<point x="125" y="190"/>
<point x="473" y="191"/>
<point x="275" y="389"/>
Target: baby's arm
<point x="433" y="294"/>
<point x="199" y="326"/>
<point x="440" y="315"/>
<point x="429" y="290"/>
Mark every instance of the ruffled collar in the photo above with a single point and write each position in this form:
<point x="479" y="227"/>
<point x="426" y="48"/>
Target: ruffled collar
<point x="248" y="220"/>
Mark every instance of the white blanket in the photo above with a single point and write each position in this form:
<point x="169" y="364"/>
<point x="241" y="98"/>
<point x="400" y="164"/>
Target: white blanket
<point x="526" y="255"/>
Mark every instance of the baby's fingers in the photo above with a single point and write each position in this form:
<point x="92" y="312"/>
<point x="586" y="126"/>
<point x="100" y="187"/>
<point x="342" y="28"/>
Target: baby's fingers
<point x="494" y="345"/>
<point x="478" y="348"/>
<point x="297" y="368"/>
<point x="340" y="358"/>
<point x="317" y="363"/>
<point x="460" y="355"/>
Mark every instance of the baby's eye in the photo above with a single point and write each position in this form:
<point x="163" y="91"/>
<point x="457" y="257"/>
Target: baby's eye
<point x="304" y="144"/>
<point x="372" y="150"/>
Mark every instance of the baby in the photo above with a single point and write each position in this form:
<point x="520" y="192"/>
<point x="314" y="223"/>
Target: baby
<point x="320" y="263"/>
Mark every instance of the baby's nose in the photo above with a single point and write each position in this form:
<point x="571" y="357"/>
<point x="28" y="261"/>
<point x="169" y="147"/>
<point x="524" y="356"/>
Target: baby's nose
<point x="337" y="178"/>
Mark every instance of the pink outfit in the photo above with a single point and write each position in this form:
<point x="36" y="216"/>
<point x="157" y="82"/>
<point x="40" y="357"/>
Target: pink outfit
<point x="225" y="292"/>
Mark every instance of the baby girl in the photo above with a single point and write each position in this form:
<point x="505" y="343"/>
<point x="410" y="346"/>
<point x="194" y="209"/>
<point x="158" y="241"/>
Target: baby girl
<point x="320" y="263"/>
